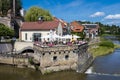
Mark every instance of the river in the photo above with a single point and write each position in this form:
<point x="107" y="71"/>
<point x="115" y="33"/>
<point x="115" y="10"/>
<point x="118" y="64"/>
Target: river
<point x="103" y="68"/>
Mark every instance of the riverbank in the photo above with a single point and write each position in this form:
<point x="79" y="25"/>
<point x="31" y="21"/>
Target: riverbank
<point x="99" y="50"/>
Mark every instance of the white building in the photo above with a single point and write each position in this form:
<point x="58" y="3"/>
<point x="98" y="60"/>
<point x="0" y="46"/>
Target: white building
<point x="33" y="31"/>
<point x="91" y="30"/>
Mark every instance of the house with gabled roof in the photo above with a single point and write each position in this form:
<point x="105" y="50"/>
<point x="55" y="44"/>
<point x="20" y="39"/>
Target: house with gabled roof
<point x="76" y="26"/>
<point x="33" y="31"/>
<point x="91" y="30"/>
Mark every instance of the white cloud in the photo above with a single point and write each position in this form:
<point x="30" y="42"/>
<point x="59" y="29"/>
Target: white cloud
<point x="97" y="14"/>
<point x="116" y="16"/>
<point x="113" y="22"/>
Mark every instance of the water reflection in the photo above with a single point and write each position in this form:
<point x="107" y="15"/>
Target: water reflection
<point x="12" y="73"/>
<point x="109" y="64"/>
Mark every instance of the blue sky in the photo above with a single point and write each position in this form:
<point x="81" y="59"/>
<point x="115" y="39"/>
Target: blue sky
<point x="105" y="11"/>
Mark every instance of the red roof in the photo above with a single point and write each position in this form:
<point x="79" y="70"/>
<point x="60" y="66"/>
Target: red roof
<point x="60" y="20"/>
<point x="76" y="27"/>
<point x="40" y="25"/>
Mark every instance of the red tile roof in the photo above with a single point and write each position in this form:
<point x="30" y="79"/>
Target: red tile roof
<point x="45" y="25"/>
<point x="60" y="20"/>
<point x="76" y="27"/>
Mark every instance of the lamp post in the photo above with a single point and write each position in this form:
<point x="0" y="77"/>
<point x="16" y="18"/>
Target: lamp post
<point x="13" y="42"/>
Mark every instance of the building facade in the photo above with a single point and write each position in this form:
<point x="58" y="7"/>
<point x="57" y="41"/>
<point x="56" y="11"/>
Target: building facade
<point x="33" y="31"/>
<point x="91" y="30"/>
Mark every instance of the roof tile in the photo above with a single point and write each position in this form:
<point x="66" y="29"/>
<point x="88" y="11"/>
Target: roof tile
<point x="40" y="25"/>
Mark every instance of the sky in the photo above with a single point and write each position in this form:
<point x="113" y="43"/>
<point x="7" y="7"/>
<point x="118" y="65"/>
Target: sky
<point x="104" y="11"/>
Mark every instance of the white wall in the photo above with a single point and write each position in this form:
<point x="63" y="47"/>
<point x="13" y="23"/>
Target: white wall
<point x="30" y="35"/>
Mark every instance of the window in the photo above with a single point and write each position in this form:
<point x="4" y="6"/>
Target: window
<point x="66" y="57"/>
<point x="25" y="36"/>
<point x="43" y="54"/>
<point x="54" y="58"/>
<point x="59" y="52"/>
<point x="54" y="52"/>
<point x="36" y="36"/>
<point x="50" y="53"/>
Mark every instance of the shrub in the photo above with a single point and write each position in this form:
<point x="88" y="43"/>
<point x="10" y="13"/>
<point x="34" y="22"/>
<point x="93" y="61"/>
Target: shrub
<point x="107" y="44"/>
<point x="31" y="61"/>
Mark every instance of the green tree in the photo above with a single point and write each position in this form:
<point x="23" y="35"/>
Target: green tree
<point x="35" y="12"/>
<point x="6" y="5"/>
<point x="6" y="31"/>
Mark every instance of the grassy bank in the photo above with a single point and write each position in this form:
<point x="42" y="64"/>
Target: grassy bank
<point x="101" y="51"/>
<point x="104" y="47"/>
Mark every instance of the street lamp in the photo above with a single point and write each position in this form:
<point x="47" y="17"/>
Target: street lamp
<point x="13" y="42"/>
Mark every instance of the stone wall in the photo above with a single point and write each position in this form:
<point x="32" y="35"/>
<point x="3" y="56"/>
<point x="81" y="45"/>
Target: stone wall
<point x="6" y="21"/>
<point x="61" y="57"/>
<point x="14" y="61"/>
<point x="5" y="48"/>
<point x="56" y="58"/>
<point x="85" y="59"/>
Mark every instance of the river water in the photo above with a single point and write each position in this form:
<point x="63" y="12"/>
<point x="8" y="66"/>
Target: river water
<point x="103" y="68"/>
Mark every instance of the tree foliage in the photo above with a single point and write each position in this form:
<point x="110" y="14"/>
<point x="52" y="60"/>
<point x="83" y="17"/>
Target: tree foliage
<point x="6" y="31"/>
<point x="35" y="12"/>
<point x="6" y="5"/>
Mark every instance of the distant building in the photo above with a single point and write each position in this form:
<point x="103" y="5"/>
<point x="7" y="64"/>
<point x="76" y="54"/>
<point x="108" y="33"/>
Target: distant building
<point x="91" y="30"/>
<point x="33" y="31"/>
<point x="76" y="26"/>
<point x="66" y="28"/>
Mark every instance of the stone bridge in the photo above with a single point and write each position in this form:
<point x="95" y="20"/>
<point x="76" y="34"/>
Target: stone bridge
<point x="17" y="58"/>
<point x="21" y="47"/>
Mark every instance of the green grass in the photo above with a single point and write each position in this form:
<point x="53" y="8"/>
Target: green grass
<point x="116" y="46"/>
<point x="100" y="51"/>
<point x="103" y="48"/>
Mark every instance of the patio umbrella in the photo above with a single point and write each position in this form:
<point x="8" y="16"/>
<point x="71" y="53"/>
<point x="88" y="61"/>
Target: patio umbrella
<point x="47" y="36"/>
<point x="56" y="36"/>
<point x="67" y="37"/>
<point x="75" y="36"/>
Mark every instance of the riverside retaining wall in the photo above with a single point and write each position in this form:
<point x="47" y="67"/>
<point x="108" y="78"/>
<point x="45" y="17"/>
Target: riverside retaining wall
<point x="62" y="57"/>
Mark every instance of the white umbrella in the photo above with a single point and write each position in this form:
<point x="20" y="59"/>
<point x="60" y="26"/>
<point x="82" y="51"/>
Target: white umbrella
<point x="67" y="37"/>
<point x="47" y="36"/>
<point x="75" y="36"/>
<point x="51" y="37"/>
<point x="56" y="36"/>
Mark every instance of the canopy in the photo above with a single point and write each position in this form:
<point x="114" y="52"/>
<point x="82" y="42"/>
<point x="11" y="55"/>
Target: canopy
<point x="67" y="37"/>
<point x="48" y="36"/>
<point x="70" y="36"/>
<point x="51" y="37"/>
<point x="75" y="36"/>
<point x="56" y="36"/>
